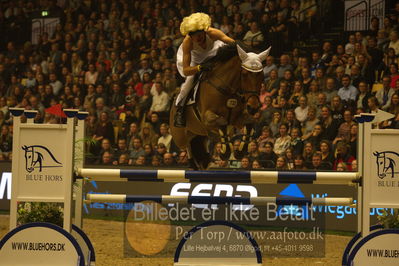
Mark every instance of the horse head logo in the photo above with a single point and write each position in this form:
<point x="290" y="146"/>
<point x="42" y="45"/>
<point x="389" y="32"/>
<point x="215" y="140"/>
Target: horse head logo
<point x="35" y="156"/>
<point x="385" y="163"/>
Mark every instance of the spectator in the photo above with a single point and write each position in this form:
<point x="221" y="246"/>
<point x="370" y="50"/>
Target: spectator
<point x="343" y="155"/>
<point x="104" y="129"/>
<point x="245" y="163"/>
<point x="256" y="164"/>
<point x="283" y="141"/>
<point x="168" y="160"/>
<point x="394" y="42"/>
<point x="269" y="66"/>
<point x="253" y="151"/>
<point x="306" y="79"/>
<point x="267" y="111"/>
<point x="5" y="141"/>
<point x="284" y="65"/>
<point x="106" y="159"/>
<point x="347" y="92"/>
<point x="140" y="161"/>
<point x="136" y="150"/>
<point x="166" y="137"/>
<point x="312" y="96"/>
<point x="344" y="129"/>
<point x="275" y="123"/>
<point x="281" y="164"/>
<point x="315" y="136"/>
<point x="91" y="75"/>
<point x="299" y="162"/>
<point x="385" y="94"/>
<point x="337" y="109"/>
<point x="182" y="159"/>
<point x="55" y="83"/>
<point x="317" y="162"/>
<point x="308" y="151"/>
<point x="289" y="157"/>
<point x="353" y="140"/>
<point x="373" y="104"/>
<point x="363" y="96"/>
<point x="268" y="157"/>
<point x="342" y="167"/>
<point x="327" y="157"/>
<point x="301" y="112"/>
<point x="329" y="124"/>
<point x="310" y="122"/>
<point x="147" y="135"/>
<point x="122" y="148"/>
<point x="266" y="136"/>
<point x="155" y="161"/>
<point x="393" y="71"/>
<point x="160" y="99"/>
<point x="254" y="36"/>
<point x="296" y="141"/>
<point x="297" y="92"/>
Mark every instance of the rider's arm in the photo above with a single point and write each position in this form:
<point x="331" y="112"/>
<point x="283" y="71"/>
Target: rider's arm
<point x="187" y="47"/>
<point x="216" y="34"/>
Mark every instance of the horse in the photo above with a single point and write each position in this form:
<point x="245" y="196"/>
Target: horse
<point x="385" y="163"/>
<point x="222" y="98"/>
<point x="34" y="157"/>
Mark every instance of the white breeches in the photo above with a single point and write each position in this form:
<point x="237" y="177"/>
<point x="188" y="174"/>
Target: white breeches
<point x="185" y="90"/>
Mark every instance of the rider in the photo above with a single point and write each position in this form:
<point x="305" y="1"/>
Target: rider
<point x="200" y="41"/>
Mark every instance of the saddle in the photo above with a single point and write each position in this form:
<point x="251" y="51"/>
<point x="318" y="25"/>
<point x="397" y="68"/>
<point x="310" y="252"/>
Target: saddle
<point x="192" y="97"/>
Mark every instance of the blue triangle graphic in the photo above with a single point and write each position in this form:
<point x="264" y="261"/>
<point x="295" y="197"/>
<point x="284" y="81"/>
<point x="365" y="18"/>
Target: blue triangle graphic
<point x="292" y="190"/>
<point x="94" y="184"/>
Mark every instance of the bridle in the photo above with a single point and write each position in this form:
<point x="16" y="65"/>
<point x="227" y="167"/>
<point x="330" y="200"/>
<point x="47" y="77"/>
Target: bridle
<point x="238" y="93"/>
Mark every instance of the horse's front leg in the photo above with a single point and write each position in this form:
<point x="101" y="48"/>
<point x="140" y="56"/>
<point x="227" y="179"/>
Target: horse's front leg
<point x="211" y="119"/>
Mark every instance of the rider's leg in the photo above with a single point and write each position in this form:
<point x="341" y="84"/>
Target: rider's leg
<point x="185" y="89"/>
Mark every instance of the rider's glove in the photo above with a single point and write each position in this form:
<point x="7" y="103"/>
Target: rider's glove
<point x="204" y="67"/>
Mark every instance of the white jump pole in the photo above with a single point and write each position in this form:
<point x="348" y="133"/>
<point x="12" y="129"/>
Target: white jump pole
<point x="254" y="177"/>
<point x="258" y="201"/>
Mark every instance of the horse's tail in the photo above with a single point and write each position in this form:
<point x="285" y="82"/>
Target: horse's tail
<point x="48" y="151"/>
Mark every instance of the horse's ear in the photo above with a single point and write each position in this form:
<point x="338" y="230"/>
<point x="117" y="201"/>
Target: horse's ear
<point x="264" y="54"/>
<point x="241" y="53"/>
<point x="375" y="153"/>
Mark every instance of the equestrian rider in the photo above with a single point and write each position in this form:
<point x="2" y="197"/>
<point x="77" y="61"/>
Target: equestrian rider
<point x="200" y="42"/>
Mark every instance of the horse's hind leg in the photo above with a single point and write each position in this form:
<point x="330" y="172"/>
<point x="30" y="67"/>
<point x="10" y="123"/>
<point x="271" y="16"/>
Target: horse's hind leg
<point x="199" y="152"/>
<point x="191" y="161"/>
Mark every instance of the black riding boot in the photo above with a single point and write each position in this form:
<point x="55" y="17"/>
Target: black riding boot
<point x="180" y="119"/>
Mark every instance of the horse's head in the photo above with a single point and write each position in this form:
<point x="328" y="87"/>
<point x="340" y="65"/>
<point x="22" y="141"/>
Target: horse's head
<point x="380" y="160"/>
<point x="252" y="71"/>
<point x="29" y="162"/>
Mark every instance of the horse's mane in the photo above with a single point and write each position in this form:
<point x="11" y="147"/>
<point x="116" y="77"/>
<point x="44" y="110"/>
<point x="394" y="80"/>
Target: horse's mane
<point x="228" y="51"/>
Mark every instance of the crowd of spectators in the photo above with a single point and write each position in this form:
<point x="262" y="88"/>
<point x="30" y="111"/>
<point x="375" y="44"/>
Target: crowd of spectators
<point x="116" y="60"/>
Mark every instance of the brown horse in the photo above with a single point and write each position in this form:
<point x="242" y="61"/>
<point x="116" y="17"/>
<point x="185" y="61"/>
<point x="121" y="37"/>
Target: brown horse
<point x="222" y="100"/>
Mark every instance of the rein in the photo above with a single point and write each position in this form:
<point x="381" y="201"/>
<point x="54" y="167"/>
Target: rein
<point x="230" y="91"/>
